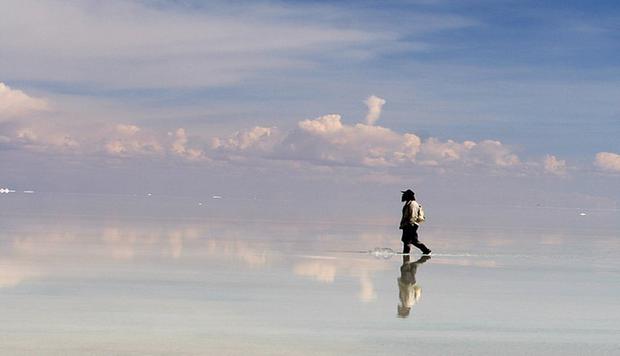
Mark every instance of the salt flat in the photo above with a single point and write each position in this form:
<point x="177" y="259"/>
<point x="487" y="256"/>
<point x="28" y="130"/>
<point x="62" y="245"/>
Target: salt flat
<point x="96" y="284"/>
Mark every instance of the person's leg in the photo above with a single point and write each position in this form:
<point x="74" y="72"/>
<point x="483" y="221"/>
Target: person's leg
<point x="415" y="242"/>
<point x="425" y="250"/>
<point x="406" y="239"/>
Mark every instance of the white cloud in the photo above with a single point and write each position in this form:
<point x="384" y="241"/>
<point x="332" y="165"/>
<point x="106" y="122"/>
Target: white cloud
<point x="41" y="139"/>
<point x="324" y="141"/>
<point x="15" y="103"/>
<point x="608" y="161"/>
<point x="259" y="139"/>
<point x="374" y="104"/>
<point x="128" y="130"/>
<point x="554" y="165"/>
<point x="126" y="140"/>
<point x="180" y="147"/>
<point x="327" y="140"/>
<point x="326" y="124"/>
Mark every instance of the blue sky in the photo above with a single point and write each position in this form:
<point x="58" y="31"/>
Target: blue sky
<point x="509" y="88"/>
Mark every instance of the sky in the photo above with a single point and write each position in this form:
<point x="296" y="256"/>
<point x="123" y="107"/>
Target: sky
<point x="502" y="102"/>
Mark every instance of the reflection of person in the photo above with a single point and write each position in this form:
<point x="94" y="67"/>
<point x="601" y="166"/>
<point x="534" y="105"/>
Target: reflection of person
<point x="409" y="291"/>
<point x="409" y="223"/>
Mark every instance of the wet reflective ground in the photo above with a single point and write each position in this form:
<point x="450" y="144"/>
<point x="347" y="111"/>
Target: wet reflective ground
<point x="74" y="285"/>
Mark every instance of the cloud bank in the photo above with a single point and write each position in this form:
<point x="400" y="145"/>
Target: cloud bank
<point x="326" y="140"/>
<point x="323" y="141"/>
<point x="554" y="165"/>
<point x="16" y="103"/>
<point x="608" y="161"/>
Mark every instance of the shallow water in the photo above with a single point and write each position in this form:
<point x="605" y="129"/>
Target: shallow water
<point x="96" y="284"/>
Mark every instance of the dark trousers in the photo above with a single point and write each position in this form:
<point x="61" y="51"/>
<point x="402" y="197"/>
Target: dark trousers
<point x="410" y="237"/>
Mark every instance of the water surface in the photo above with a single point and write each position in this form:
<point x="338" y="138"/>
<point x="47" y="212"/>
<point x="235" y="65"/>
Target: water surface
<point x="108" y="284"/>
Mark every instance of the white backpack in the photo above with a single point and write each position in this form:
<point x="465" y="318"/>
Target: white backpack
<point x="421" y="216"/>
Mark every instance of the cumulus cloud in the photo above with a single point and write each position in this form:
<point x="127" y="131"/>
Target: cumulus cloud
<point x="323" y="125"/>
<point x="608" y="161"/>
<point x="554" y="165"/>
<point x="42" y="139"/>
<point x="374" y="104"/>
<point x="323" y="141"/>
<point x="15" y="103"/>
<point x="258" y="138"/>
<point x="180" y="147"/>
<point x="126" y="140"/>
<point x="326" y="140"/>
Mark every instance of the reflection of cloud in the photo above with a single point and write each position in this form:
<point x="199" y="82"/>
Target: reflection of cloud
<point x="367" y="288"/>
<point x="552" y="240"/>
<point x="498" y="241"/>
<point x="465" y="262"/>
<point x="250" y="256"/>
<point x="325" y="271"/>
<point x="176" y="244"/>
<point x="30" y="252"/>
<point x="319" y="270"/>
<point x="13" y="272"/>
<point x="241" y="250"/>
<point x="120" y="244"/>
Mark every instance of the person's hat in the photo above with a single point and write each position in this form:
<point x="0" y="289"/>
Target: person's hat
<point x="408" y="195"/>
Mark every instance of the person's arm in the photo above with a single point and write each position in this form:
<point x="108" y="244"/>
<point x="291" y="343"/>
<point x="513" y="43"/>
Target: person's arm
<point x="406" y="220"/>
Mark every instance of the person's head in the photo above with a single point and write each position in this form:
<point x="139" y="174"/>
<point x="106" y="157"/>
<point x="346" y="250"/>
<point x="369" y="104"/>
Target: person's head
<point x="403" y="311"/>
<point x="407" y="195"/>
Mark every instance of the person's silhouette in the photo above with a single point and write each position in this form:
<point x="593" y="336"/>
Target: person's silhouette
<point x="409" y="292"/>
<point x="409" y="223"/>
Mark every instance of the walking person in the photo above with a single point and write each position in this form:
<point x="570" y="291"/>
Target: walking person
<point x="410" y="223"/>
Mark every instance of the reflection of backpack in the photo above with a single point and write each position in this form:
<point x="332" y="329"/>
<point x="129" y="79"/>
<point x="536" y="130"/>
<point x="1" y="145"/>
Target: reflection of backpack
<point x="421" y="216"/>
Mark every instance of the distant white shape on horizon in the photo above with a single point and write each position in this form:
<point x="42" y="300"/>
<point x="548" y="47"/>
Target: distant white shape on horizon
<point x="583" y="214"/>
<point x="217" y="197"/>
<point x="149" y="194"/>
<point x="6" y="191"/>
<point x="29" y="191"/>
